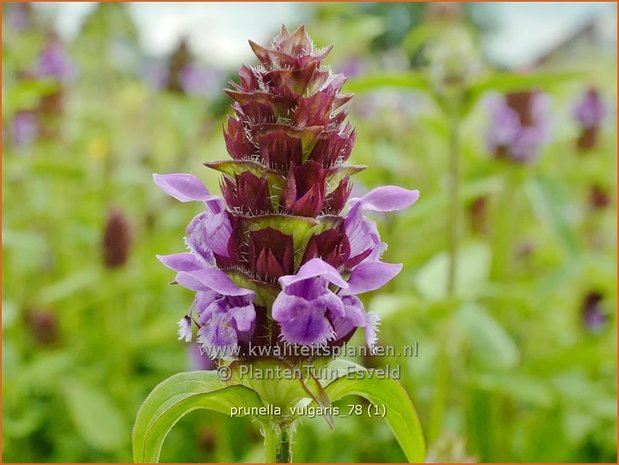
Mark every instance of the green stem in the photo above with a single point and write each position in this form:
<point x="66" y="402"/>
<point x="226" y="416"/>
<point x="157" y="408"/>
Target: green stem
<point x="505" y="223"/>
<point x="278" y="442"/>
<point x="454" y="205"/>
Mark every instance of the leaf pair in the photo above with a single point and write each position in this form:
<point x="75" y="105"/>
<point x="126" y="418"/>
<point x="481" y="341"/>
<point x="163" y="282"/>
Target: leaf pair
<point x="185" y="392"/>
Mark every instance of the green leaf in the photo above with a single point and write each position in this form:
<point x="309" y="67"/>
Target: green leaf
<point x="400" y="412"/>
<point x="471" y="276"/>
<point x="26" y="94"/>
<point x="549" y="202"/>
<point x="69" y="286"/>
<point x="526" y="389"/>
<point x="96" y="417"/>
<point x="410" y="80"/>
<point x="177" y="396"/>
<point x="286" y="391"/>
<point x="491" y="345"/>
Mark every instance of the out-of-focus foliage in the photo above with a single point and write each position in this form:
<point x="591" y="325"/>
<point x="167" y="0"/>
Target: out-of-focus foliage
<point x="520" y="365"/>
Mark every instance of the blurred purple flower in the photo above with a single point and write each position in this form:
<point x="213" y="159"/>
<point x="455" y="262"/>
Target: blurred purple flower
<point x="194" y="80"/>
<point x="24" y="128"/>
<point x="594" y="317"/>
<point x="599" y="197"/>
<point x="590" y="110"/>
<point x="19" y="15"/>
<point x="55" y="62"/>
<point x="352" y="67"/>
<point x="197" y="80"/>
<point x="518" y="125"/>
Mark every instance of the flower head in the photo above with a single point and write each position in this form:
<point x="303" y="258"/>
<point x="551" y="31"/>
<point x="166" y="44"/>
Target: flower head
<point x="116" y="240"/>
<point x="589" y="111"/>
<point x="593" y="316"/>
<point x="283" y="255"/>
<point x="518" y="125"/>
<point x="54" y="61"/>
<point x="24" y="128"/>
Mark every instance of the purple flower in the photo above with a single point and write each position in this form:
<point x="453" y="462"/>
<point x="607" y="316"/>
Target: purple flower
<point x="20" y="15"/>
<point x="305" y="304"/>
<point x="309" y="313"/>
<point x="518" y="126"/>
<point x="55" y="62"/>
<point x="589" y="110"/>
<point x="275" y="260"/>
<point x="208" y="233"/>
<point x="594" y="318"/>
<point x="198" y="80"/>
<point x="352" y="67"/>
<point x="24" y="128"/>
<point x="361" y="232"/>
<point x="225" y="312"/>
<point x="193" y="79"/>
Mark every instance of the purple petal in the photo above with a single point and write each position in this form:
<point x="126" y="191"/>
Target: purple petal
<point x="313" y="268"/>
<point x="332" y="302"/>
<point x="354" y="316"/>
<point x="370" y="276"/>
<point x="208" y="233"/>
<point x="218" y="231"/>
<point x="218" y="332"/>
<point x="387" y="199"/>
<point x="286" y="306"/>
<point x="196" y="238"/>
<point x="211" y="279"/>
<point x="203" y="300"/>
<point x="217" y="306"/>
<point x="180" y="262"/>
<point x="362" y="235"/>
<point x="354" y="310"/>
<point x="182" y="186"/>
<point x="308" y="328"/>
<point x="244" y="316"/>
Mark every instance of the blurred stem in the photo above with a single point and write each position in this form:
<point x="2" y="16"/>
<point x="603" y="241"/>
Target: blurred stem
<point x="278" y="442"/>
<point x="454" y="203"/>
<point x="505" y="223"/>
<point x="439" y="399"/>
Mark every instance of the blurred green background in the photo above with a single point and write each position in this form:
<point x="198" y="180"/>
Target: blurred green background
<point x="518" y="365"/>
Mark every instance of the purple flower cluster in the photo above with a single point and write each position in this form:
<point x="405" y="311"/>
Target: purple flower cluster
<point x="24" y="128"/>
<point x="589" y="112"/>
<point x="54" y="61"/>
<point x="283" y="255"/>
<point x="518" y="125"/>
